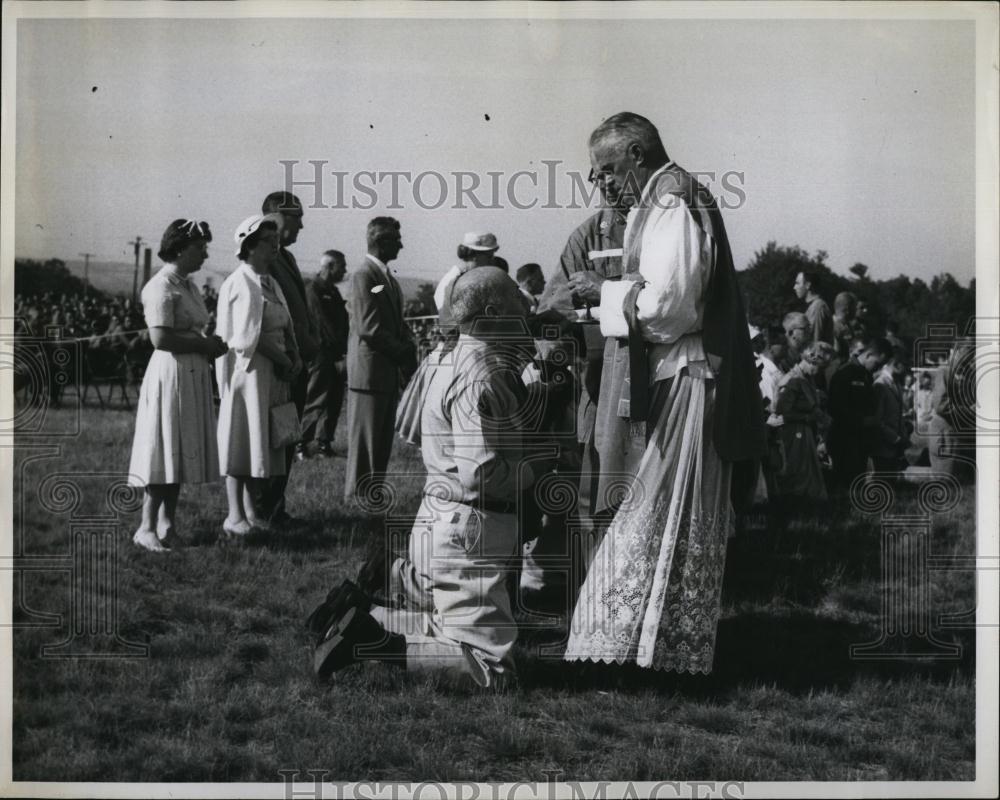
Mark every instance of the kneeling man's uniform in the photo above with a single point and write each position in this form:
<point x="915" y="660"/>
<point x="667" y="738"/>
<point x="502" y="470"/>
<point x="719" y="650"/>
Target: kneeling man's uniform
<point x="456" y="611"/>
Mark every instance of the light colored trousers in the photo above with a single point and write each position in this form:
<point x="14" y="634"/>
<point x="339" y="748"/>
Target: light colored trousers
<point x="456" y="615"/>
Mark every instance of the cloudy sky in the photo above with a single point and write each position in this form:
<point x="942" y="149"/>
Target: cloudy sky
<point x="855" y="137"/>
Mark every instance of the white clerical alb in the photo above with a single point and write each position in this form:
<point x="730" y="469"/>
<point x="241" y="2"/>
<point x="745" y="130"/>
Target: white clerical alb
<point x="676" y="258"/>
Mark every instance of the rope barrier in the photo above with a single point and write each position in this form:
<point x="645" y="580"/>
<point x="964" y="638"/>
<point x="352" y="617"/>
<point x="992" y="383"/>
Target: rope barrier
<point x="138" y="331"/>
<point x="93" y="338"/>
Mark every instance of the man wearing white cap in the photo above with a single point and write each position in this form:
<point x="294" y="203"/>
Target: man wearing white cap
<point x="476" y="250"/>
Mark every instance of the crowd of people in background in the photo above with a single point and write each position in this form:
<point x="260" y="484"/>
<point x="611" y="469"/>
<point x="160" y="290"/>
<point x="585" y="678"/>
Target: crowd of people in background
<point x="843" y="400"/>
<point x="105" y="334"/>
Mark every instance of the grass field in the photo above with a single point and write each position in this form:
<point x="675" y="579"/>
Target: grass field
<point x="226" y="692"/>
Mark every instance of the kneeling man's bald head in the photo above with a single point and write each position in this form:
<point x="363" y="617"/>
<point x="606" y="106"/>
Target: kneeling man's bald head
<point x="484" y="292"/>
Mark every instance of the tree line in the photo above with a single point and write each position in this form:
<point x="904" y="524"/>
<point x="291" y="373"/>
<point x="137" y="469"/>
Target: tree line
<point x="766" y="283"/>
<point x="911" y="303"/>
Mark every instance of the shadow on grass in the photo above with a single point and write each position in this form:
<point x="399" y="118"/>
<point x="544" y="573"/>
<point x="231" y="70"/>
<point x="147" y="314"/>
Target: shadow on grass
<point x="799" y="566"/>
<point x="337" y="529"/>
<point x="794" y="652"/>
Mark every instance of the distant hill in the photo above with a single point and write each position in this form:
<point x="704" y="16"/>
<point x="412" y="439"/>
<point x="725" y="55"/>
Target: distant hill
<point x="410" y="286"/>
<point x="107" y="276"/>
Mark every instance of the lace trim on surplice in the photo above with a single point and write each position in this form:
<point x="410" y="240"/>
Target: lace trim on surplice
<point x="683" y="638"/>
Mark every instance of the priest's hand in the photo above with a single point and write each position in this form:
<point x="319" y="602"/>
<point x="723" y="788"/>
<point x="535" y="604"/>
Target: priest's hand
<point x="586" y="287"/>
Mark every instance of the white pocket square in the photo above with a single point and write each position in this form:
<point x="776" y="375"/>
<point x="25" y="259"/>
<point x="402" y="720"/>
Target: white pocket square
<point x="377" y="289"/>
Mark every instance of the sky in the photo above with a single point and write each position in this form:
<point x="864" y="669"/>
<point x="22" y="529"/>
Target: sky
<point x="854" y="137"/>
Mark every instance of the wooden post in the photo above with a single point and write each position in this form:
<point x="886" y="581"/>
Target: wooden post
<point x="135" y="275"/>
<point x="86" y="273"/>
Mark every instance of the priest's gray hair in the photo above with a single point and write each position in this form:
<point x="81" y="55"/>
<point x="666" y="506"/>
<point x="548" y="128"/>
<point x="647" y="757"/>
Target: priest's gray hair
<point x="625" y="128"/>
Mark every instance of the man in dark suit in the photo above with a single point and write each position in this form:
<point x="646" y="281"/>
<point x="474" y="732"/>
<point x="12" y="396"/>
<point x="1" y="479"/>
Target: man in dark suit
<point x="285" y="270"/>
<point x="381" y="356"/>
<point x="328" y="371"/>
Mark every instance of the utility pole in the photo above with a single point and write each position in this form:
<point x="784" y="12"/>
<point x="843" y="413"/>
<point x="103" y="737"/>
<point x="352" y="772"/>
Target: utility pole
<point x="86" y="272"/>
<point x="135" y="276"/>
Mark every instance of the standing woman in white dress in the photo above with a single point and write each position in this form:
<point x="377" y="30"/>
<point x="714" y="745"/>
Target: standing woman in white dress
<point x="255" y="373"/>
<point x="174" y="440"/>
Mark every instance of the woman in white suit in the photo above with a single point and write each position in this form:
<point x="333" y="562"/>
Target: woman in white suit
<point x="255" y="374"/>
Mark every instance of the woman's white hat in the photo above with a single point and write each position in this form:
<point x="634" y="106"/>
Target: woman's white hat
<point x="251" y="224"/>
<point x="480" y="241"/>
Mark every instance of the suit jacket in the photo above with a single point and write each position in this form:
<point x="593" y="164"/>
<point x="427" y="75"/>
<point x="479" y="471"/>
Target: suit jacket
<point x="379" y="343"/>
<point x="329" y="309"/>
<point x="286" y="272"/>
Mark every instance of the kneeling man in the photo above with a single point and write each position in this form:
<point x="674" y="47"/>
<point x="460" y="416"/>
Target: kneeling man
<point x="452" y="610"/>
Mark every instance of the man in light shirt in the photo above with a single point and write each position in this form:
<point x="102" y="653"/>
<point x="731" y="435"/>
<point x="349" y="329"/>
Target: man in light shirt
<point x="806" y="288"/>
